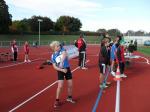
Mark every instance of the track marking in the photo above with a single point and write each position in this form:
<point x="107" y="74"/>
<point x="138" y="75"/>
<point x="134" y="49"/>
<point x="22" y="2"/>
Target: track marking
<point x="19" y="63"/>
<point x="147" y="61"/>
<point x="32" y="97"/>
<point x="100" y="92"/>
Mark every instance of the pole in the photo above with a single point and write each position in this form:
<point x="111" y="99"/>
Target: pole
<point x="39" y="20"/>
<point x="39" y="33"/>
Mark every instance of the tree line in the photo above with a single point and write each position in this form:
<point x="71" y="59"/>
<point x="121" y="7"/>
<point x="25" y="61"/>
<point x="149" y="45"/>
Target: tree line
<point x="63" y="24"/>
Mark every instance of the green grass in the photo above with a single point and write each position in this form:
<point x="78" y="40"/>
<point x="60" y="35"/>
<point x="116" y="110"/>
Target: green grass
<point x="145" y="50"/>
<point x="47" y="38"/>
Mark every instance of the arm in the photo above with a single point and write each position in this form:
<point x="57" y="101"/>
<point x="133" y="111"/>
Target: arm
<point x="25" y="50"/>
<point x="59" y="69"/>
<point x="12" y="49"/>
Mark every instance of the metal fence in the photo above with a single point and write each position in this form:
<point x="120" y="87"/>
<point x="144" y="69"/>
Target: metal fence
<point x="32" y="43"/>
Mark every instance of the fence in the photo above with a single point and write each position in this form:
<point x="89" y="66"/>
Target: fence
<point x="140" y="39"/>
<point x="32" y="43"/>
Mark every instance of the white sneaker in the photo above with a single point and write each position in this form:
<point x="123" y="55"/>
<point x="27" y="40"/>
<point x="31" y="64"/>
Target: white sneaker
<point x="84" y="68"/>
<point x="29" y="61"/>
<point x="123" y="75"/>
<point x="25" y="61"/>
<point x="103" y="86"/>
<point x="70" y="100"/>
<point x="113" y="73"/>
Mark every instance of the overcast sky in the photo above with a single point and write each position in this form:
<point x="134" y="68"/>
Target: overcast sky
<point x="94" y="14"/>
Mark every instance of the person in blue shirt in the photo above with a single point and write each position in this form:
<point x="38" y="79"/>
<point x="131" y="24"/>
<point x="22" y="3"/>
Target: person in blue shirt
<point x="113" y="52"/>
<point x="60" y="63"/>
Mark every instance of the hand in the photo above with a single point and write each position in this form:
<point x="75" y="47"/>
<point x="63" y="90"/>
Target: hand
<point x="64" y="70"/>
<point x="61" y="65"/>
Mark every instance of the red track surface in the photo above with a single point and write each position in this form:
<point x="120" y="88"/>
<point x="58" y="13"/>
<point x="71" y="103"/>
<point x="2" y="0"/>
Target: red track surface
<point x="18" y="83"/>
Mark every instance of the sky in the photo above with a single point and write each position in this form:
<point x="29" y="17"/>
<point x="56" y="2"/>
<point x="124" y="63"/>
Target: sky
<point x="94" y="14"/>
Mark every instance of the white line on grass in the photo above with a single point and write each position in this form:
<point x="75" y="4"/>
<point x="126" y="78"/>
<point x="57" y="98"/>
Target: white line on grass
<point x="15" y="108"/>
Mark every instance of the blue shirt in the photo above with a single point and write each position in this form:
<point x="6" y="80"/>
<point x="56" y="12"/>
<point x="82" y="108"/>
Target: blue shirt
<point x="112" y="52"/>
<point x="56" y="58"/>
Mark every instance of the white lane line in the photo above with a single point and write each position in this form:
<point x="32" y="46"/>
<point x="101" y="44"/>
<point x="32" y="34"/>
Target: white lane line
<point x="147" y="61"/>
<point x="15" y="108"/>
<point x="32" y="97"/>
<point x="15" y="64"/>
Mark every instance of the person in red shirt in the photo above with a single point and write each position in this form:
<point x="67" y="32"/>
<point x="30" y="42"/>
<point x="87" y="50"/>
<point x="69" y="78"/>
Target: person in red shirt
<point x="120" y="59"/>
<point x="26" y="51"/>
<point x="81" y="45"/>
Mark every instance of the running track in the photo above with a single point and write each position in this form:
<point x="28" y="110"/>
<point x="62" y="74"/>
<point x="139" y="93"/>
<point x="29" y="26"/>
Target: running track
<point x="20" y="86"/>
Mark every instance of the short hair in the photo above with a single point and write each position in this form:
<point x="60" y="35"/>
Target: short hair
<point x="105" y="40"/>
<point x="53" y="44"/>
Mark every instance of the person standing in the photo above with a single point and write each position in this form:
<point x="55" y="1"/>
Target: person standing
<point x="26" y="51"/>
<point x="104" y="61"/>
<point x="120" y="59"/>
<point x="81" y="45"/>
<point x="14" y="49"/>
<point x="61" y="64"/>
<point x="135" y="45"/>
<point x="112" y="55"/>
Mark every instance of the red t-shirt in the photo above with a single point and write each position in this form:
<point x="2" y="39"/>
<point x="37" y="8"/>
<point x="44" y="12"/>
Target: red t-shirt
<point x="26" y="48"/>
<point x="120" y="54"/>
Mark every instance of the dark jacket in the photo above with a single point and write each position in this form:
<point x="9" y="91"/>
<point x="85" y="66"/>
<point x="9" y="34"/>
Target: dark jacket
<point x="104" y="56"/>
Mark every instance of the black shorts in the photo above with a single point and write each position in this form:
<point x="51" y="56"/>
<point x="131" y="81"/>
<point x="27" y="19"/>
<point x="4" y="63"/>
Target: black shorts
<point x="67" y="75"/>
<point x="101" y="67"/>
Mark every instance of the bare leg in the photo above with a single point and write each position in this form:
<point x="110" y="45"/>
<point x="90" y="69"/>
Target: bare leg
<point x="59" y="88"/>
<point x="70" y="85"/>
<point x="101" y="78"/>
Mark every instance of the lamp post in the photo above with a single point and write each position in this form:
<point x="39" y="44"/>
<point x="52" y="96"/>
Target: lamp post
<point x="39" y="20"/>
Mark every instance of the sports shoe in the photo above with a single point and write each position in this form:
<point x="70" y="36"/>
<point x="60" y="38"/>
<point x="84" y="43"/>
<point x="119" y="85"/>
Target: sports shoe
<point x="84" y="68"/>
<point x="57" y="104"/>
<point x="103" y="86"/>
<point x="113" y="73"/>
<point x="108" y="83"/>
<point x="123" y="75"/>
<point x="29" y="61"/>
<point x="70" y="100"/>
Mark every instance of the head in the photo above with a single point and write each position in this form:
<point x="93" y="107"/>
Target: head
<point x="81" y="35"/>
<point x="55" y="46"/>
<point x="26" y="42"/>
<point x="105" y="42"/>
<point x="117" y="39"/>
<point x="14" y="41"/>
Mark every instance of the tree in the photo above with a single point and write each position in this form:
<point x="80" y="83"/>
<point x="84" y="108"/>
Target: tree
<point x="114" y="32"/>
<point x="46" y="25"/>
<point x="20" y="26"/>
<point x="101" y="31"/>
<point x="130" y="33"/>
<point x="139" y="33"/>
<point x="5" y="17"/>
<point x="68" y="24"/>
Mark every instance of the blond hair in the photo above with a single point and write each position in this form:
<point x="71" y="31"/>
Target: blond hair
<point x="53" y="44"/>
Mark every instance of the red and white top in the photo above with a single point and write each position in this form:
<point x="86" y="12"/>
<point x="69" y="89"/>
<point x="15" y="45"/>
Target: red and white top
<point x="26" y="48"/>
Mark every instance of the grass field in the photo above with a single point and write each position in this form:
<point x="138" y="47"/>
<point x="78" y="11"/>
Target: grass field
<point x="144" y="50"/>
<point x="45" y="37"/>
